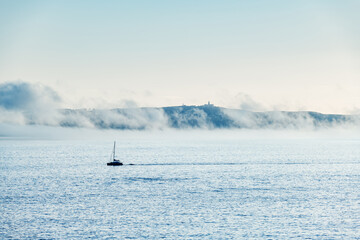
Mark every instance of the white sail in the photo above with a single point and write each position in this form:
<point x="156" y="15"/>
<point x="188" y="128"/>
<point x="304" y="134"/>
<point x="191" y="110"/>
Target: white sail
<point x="114" y="150"/>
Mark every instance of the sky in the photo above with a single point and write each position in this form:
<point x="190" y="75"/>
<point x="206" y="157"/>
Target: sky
<point x="255" y="55"/>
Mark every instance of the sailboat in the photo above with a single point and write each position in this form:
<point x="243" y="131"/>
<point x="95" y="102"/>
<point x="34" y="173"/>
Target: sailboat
<point x="114" y="162"/>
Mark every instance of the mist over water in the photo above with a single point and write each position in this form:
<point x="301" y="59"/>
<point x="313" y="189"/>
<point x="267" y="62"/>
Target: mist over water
<point x="23" y="103"/>
<point x="189" y="172"/>
<point x="274" y="154"/>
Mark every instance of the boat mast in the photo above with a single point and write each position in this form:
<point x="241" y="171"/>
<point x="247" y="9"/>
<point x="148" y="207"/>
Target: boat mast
<point x="114" y="150"/>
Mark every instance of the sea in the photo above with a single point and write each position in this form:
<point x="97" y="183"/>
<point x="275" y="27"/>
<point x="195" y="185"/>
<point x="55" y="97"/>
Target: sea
<point x="188" y="185"/>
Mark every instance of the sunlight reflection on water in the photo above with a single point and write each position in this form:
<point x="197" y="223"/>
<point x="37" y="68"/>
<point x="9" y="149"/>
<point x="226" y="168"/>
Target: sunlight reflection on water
<point x="192" y="189"/>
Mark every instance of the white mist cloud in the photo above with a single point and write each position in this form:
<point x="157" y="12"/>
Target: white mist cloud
<point x="290" y="120"/>
<point x="25" y="103"/>
<point x="8" y="116"/>
<point x="245" y="102"/>
<point x="33" y="104"/>
<point x="133" y="118"/>
<point x="22" y="102"/>
<point x="25" y="96"/>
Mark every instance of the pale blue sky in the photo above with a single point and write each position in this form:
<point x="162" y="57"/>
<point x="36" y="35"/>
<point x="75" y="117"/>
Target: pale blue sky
<point x="288" y="55"/>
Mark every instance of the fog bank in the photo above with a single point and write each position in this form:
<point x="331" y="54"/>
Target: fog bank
<point x="31" y="104"/>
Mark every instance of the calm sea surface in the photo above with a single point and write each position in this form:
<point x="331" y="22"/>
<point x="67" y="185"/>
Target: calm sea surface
<point x="180" y="188"/>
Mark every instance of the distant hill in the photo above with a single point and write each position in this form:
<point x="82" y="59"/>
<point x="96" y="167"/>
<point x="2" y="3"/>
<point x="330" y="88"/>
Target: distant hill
<point x="199" y="117"/>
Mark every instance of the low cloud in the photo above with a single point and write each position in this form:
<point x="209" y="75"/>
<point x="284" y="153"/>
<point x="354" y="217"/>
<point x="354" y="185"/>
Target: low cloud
<point x="22" y="102"/>
<point x="132" y="118"/>
<point x="25" y="96"/>
<point x="33" y="104"/>
<point x="247" y="103"/>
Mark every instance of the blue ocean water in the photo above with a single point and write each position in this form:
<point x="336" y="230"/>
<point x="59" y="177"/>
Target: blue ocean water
<point x="180" y="188"/>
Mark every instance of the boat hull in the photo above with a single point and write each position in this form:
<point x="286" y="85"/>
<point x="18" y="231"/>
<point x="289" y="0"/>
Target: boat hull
<point x="114" y="164"/>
